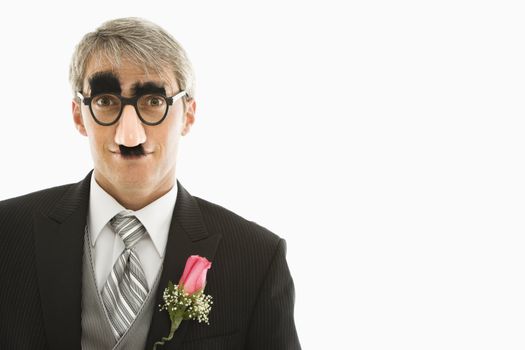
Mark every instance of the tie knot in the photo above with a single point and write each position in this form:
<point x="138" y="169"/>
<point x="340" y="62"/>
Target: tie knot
<point x="128" y="227"/>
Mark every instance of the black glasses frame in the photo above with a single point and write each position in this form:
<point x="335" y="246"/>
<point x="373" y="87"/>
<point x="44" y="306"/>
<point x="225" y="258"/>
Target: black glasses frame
<point x="133" y="102"/>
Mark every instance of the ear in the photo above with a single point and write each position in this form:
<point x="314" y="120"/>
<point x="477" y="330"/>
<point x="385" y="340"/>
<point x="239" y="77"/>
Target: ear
<point x="189" y="116"/>
<point x="77" y="117"/>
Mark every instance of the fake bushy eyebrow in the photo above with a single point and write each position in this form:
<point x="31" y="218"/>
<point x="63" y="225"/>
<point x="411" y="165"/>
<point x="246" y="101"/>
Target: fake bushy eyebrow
<point x="104" y="82"/>
<point x="149" y="87"/>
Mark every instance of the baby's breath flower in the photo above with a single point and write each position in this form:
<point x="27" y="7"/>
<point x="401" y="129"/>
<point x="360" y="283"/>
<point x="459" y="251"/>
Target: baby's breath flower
<point x="193" y="307"/>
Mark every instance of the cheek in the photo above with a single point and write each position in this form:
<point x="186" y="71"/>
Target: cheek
<point x="171" y="134"/>
<point x="99" y="137"/>
<point x="168" y="141"/>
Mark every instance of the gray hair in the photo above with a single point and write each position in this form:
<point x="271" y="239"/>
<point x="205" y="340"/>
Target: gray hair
<point x="141" y="42"/>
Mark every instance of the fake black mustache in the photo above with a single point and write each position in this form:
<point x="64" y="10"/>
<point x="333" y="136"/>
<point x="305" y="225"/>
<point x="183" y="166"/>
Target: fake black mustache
<point x="132" y="151"/>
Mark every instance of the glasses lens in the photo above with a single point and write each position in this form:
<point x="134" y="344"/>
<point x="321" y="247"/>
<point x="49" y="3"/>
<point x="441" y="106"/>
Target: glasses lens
<point x="105" y="107"/>
<point x="152" y="108"/>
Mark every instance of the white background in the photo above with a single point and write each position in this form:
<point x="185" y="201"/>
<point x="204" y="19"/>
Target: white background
<point x="382" y="139"/>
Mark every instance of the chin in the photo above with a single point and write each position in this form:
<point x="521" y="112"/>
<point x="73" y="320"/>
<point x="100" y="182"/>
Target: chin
<point x="132" y="180"/>
<point x="135" y="182"/>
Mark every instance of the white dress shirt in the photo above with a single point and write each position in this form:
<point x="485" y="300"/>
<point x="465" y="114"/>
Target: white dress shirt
<point x="106" y="245"/>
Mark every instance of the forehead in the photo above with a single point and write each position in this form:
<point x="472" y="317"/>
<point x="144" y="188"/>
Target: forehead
<point x="128" y="74"/>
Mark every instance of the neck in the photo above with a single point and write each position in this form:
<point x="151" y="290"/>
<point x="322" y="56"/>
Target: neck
<point x="135" y="197"/>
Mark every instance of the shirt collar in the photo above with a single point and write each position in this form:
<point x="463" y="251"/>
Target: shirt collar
<point x="156" y="216"/>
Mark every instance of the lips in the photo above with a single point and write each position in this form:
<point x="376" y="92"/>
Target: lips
<point x="130" y="156"/>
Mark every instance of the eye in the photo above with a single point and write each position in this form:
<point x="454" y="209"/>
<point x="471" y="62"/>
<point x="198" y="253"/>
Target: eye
<point x="103" y="101"/>
<point x="153" y="101"/>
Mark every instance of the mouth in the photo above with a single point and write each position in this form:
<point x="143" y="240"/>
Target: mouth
<point x="131" y="156"/>
<point x="131" y="153"/>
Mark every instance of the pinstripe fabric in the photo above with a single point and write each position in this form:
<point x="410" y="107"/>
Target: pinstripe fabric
<point x="126" y="288"/>
<point x="41" y="246"/>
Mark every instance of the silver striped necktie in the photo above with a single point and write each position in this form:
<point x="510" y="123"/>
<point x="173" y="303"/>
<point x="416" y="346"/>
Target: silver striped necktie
<point x="126" y="287"/>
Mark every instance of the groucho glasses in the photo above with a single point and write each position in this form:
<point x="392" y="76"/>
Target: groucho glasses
<point x="151" y="109"/>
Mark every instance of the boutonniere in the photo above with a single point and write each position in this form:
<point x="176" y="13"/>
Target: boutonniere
<point x="186" y="301"/>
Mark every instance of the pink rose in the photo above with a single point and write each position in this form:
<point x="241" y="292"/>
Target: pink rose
<point x="194" y="277"/>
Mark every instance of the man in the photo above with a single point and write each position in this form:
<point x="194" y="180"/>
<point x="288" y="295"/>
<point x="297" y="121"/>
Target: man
<point x="85" y="265"/>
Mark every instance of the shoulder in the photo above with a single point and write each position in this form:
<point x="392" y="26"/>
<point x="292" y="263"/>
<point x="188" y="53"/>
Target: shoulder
<point x="16" y="219"/>
<point x="38" y="201"/>
<point x="240" y="237"/>
<point x="229" y="223"/>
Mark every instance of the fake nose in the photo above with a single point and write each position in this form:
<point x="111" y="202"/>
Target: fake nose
<point x="130" y="131"/>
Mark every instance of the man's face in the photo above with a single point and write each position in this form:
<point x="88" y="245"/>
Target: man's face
<point x="131" y="157"/>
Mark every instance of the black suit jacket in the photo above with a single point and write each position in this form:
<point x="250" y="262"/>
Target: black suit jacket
<point x="41" y="247"/>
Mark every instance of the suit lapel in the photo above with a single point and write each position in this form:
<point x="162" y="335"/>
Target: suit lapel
<point x="59" y="239"/>
<point x="187" y="236"/>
